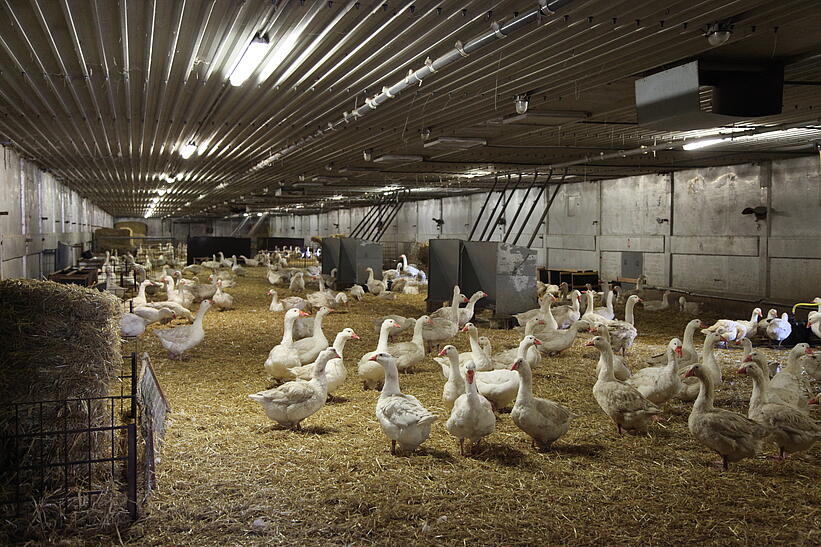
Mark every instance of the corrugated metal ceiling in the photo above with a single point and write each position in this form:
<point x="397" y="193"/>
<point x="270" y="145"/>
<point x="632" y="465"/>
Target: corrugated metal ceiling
<point x="104" y="93"/>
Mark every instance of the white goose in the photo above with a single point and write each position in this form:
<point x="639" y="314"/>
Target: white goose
<point x="371" y="372"/>
<point x="180" y="339"/>
<point x="276" y="305"/>
<point x="402" y="417"/>
<point x="764" y="391"/>
<point x="623" y="333"/>
<point x="308" y="348"/>
<point x="789" y="378"/>
<point x="779" y="329"/>
<point x="154" y="315"/>
<point x="335" y="368"/>
<point x="660" y="384"/>
<point x="543" y="420"/>
<point x="689" y="355"/>
<point x="620" y="369"/>
<point x="691" y="308"/>
<point x="442" y="329"/>
<point x="503" y="359"/>
<point x="568" y="314"/>
<point x="222" y="300"/>
<point x="292" y="402"/>
<point x="708" y="366"/>
<point x="471" y="416"/>
<point x="628" y="409"/>
<point x="284" y="356"/>
<point x="410" y="353"/>
<point x="499" y="386"/>
<point x="543" y="312"/>
<point x="466" y="313"/>
<point x="732" y="330"/>
<point x="732" y="435"/>
<point x="592" y="314"/>
<point x="140" y="299"/>
<point x="555" y="342"/>
<point x="297" y="283"/>
<point x="792" y="430"/>
<point x="375" y="286"/>
<point x="657" y="305"/>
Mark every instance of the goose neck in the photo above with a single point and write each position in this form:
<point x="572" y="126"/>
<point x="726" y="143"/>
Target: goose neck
<point x="706" y="393"/>
<point x="382" y="344"/>
<point x="525" y="392"/>
<point x="339" y="343"/>
<point x="391" y="385"/>
<point x="689" y="332"/>
<point x="628" y="311"/>
<point x="418" y="336"/>
<point x="288" y="333"/>
<point x="318" y="324"/>
<point x="607" y="357"/>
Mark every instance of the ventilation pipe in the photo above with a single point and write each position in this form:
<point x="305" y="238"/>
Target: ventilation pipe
<point x="498" y="31"/>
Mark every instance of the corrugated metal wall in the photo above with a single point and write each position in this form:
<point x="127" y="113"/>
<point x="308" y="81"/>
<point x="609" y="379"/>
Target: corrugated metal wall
<point x="687" y="225"/>
<point x="36" y="213"/>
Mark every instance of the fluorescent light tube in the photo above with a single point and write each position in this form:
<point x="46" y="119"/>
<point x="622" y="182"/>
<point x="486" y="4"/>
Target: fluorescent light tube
<point x="188" y="150"/>
<point x="695" y="145"/>
<point x="250" y="60"/>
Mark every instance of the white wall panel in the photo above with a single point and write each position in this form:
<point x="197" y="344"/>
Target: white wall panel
<point x="708" y="201"/>
<point x="795" y="280"/>
<point x="733" y="275"/>
<point x="796" y="197"/>
<point x="633" y="205"/>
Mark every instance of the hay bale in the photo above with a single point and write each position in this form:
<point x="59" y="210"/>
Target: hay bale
<point x="60" y="343"/>
<point x="109" y="239"/>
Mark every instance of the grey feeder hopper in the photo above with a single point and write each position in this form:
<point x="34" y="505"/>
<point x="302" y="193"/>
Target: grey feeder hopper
<point x="507" y="273"/>
<point x="330" y="254"/>
<point x="443" y="270"/>
<point x="354" y="256"/>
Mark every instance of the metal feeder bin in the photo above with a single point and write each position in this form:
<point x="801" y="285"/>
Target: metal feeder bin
<point x="443" y="271"/>
<point x="330" y="255"/>
<point x="354" y="256"/>
<point x="507" y="273"/>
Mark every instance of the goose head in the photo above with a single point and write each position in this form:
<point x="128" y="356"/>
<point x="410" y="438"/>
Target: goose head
<point x="470" y="372"/>
<point x="350" y="334"/>
<point x="449" y="351"/>
<point x="675" y="346"/>
<point x="518" y="364"/>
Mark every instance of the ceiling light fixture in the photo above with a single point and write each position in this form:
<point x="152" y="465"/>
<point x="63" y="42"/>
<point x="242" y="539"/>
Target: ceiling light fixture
<point x="186" y="151"/>
<point x="250" y="60"/>
<point x="704" y="143"/>
<point x="718" y="33"/>
<point x="521" y="102"/>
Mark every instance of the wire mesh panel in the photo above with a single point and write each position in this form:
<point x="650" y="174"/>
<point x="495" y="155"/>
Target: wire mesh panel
<point x="64" y="455"/>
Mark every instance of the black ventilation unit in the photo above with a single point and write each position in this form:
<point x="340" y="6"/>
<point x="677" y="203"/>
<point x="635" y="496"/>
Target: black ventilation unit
<point x="672" y="99"/>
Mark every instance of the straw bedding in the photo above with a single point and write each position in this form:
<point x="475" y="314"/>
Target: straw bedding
<point x="229" y="476"/>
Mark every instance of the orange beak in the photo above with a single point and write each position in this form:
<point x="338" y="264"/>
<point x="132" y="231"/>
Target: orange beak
<point x="678" y="351"/>
<point x="689" y="373"/>
<point x="590" y="343"/>
<point x="442" y="353"/>
<point x="373" y="358"/>
<point x="808" y="351"/>
<point x="464" y="329"/>
<point x="537" y="342"/>
<point x="747" y="359"/>
<point x="515" y="366"/>
<point x="303" y="314"/>
<point x="355" y="336"/>
<point x="742" y="370"/>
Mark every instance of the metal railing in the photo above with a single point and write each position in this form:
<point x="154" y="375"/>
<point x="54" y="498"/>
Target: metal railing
<point x="70" y="451"/>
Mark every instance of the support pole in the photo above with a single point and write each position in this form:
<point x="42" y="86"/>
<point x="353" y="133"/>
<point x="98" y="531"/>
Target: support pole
<point x="482" y="210"/>
<point x="504" y="207"/>
<point x="533" y="206"/>
<point x="493" y="212"/>
<point x="519" y="209"/>
<point x="546" y="210"/>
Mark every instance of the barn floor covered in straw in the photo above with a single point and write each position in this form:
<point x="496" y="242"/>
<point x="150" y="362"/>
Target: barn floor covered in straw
<point x="229" y="476"/>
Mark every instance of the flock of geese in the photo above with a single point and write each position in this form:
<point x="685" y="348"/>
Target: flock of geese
<point x="480" y="382"/>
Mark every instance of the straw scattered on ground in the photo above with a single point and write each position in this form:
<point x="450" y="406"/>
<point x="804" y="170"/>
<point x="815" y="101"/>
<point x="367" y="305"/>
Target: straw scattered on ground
<point x="229" y="476"/>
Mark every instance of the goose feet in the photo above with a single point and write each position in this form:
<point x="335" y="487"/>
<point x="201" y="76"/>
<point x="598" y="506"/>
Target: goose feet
<point x="393" y="448"/>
